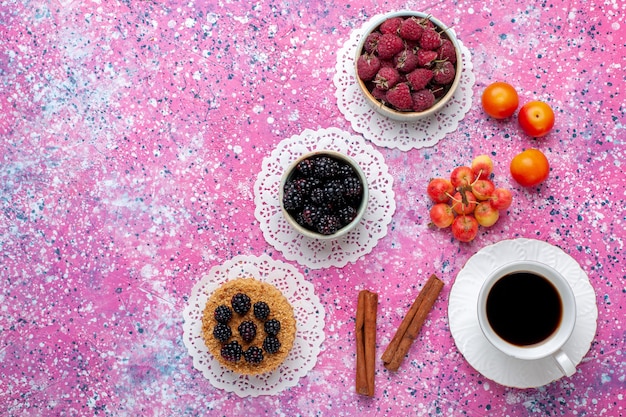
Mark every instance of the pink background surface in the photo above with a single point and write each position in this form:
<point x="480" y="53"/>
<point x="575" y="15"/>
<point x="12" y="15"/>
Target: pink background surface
<point x="132" y="133"/>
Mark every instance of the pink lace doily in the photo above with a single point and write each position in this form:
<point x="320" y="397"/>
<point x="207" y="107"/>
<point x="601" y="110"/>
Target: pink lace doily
<point x="308" y="311"/>
<point x="315" y="253"/>
<point x="390" y="133"/>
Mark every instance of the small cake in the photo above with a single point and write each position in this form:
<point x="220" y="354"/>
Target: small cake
<point x="248" y="326"/>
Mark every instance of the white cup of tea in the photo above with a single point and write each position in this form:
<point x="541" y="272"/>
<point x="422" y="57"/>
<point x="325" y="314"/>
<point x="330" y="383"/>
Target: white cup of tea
<point x="527" y="310"/>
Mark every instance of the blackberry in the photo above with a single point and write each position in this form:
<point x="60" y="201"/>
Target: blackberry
<point x="352" y="187"/>
<point x="271" y="344"/>
<point x="254" y="355"/>
<point x="223" y="314"/>
<point x="334" y="190"/>
<point x="346" y="171"/>
<point x="240" y="303"/>
<point x="326" y="167"/>
<point x="292" y="197"/>
<point x="346" y="214"/>
<point x="272" y="327"/>
<point x="328" y="224"/>
<point x="222" y="332"/>
<point x="310" y="214"/>
<point x="232" y="351"/>
<point x="247" y="331"/>
<point x="306" y="167"/>
<point x="318" y="196"/>
<point x="261" y="310"/>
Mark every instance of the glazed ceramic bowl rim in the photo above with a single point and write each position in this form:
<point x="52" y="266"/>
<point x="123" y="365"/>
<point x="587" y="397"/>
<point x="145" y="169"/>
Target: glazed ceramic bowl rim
<point x="287" y="174"/>
<point x="409" y="116"/>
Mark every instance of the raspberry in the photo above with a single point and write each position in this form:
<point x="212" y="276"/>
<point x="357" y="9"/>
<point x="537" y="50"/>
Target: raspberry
<point x="410" y="29"/>
<point x="447" y="51"/>
<point x="223" y="314"/>
<point x="419" y="78"/>
<point x="386" y="78"/>
<point x="271" y="344"/>
<point x="247" y="331"/>
<point x="240" y="303"/>
<point x="425" y="58"/>
<point x="378" y="93"/>
<point x="254" y="355"/>
<point x="444" y="73"/>
<point x="371" y="42"/>
<point x="232" y="351"/>
<point x="391" y="25"/>
<point x="400" y="97"/>
<point x="389" y="45"/>
<point x="367" y="66"/>
<point x="328" y="224"/>
<point x="423" y="100"/>
<point x="406" y="61"/>
<point x="430" y="40"/>
<point x="272" y="327"/>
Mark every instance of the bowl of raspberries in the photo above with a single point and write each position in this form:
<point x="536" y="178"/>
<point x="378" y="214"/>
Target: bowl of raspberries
<point x="323" y="194"/>
<point x="408" y="65"/>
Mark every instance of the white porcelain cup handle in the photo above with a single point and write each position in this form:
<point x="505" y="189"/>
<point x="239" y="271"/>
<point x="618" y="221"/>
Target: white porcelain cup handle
<point x="565" y="363"/>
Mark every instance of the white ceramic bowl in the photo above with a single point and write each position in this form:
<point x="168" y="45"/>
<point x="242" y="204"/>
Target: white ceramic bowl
<point x="290" y="171"/>
<point x="408" y="116"/>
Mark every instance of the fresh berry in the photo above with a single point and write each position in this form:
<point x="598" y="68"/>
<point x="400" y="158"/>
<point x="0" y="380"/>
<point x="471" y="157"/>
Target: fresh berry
<point x="446" y="51"/>
<point x="247" y="331"/>
<point x="222" y="332"/>
<point x="271" y="344"/>
<point x="325" y="167"/>
<point x="371" y="42"/>
<point x="389" y="45"/>
<point x="391" y="25"/>
<point x="430" y="40"/>
<point x="328" y="224"/>
<point x="318" y="196"/>
<point x="419" y="78"/>
<point x="400" y="97"/>
<point x="272" y="327"/>
<point x="240" y="303"/>
<point x="423" y="100"/>
<point x="410" y="29"/>
<point x="352" y="187"/>
<point x="223" y="314"/>
<point x="444" y="73"/>
<point x="293" y="198"/>
<point x="346" y="214"/>
<point x="367" y="66"/>
<point x="261" y="310"/>
<point x="232" y="351"/>
<point x="254" y="355"/>
<point x="425" y="58"/>
<point x="310" y="214"/>
<point x="406" y="60"/>
<point x="386" y="78"/>
<point x="378" y="93"/>
<point x="334" y="191"/>
<point x="305" y="167"/>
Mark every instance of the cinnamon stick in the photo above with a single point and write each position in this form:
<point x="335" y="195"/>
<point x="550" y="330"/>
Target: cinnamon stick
<point x="367" y="307"/>
<point x="411" y="324"/>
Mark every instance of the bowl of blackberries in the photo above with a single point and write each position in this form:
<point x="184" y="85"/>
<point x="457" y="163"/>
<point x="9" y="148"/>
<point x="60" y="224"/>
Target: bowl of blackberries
<point x="408" y="65"/>
<point x="323" y="194"/>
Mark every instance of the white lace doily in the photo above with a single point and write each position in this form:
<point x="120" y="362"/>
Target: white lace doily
<point x="392" y="133"/>
<point x="308" y="311"/>
<point x="315" y="253"/>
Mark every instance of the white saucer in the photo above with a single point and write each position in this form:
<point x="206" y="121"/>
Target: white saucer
<point x="463" y="316"/>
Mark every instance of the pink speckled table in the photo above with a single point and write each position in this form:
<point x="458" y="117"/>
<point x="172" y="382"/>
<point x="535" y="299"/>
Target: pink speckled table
<point x="131" y="136"/>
